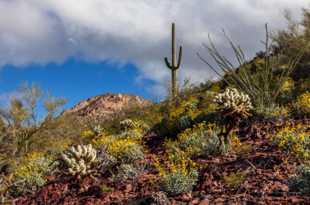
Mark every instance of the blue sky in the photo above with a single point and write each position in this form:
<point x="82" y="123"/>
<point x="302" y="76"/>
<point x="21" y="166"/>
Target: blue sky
<point x="78" y="49"/>
<point x="76" y="80"/>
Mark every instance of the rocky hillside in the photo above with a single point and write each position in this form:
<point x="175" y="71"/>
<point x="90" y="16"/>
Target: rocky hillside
<point x="105" y="106"/>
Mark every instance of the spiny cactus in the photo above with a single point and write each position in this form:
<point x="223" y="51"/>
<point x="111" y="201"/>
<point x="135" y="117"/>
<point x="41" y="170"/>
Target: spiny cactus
<point x="159" y="198"/>
<point x="175" y="64"/>
<point x="80" y="160"/>
<point x="234" y="102"/>
<point x="128" y="124"/>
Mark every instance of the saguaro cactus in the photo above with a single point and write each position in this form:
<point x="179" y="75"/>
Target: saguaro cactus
<point x="174" y="65"/>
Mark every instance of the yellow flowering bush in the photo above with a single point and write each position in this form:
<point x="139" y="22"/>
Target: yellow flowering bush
<point x="303" y="102"/>
<point x="88" y="134"/>
<point x="182" y="115"/>
<point x="126" y="150"/>
<point x="176" y="175"/>
<point x="32" y="170"/>
<point x="240" y="149"/>
<point x="126" y="146"/>
<point x="294" y="140"/>
<point x="287" y="85"/>
<point x="123" y="149"/>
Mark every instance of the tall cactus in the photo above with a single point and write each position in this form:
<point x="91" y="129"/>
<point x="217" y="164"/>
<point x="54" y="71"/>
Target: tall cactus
<point x="175" y="64"/>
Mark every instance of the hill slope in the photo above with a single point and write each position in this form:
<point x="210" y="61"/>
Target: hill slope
<point x="105" y="106"/>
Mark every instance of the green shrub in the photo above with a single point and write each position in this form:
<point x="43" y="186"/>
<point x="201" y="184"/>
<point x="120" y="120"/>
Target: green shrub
<point x="201" y="140"/>
<point x="301" y="181"/>
<point x="178" y="183"/>
<point x="127" y="172"/>
<point x="294" y="140"/>
<point x="31" y="173"/>
<point x="234" y="180"/>
<point x="177" y="176"/>
<point x="302" y="104"/>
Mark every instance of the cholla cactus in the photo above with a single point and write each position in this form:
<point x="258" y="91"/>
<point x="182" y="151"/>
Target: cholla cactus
<point x="159" y="198"/>
<point x="98" y="129"/>
<point x="128" y="124"/>
<point x="80" y="160"/>
<point x="234" y="102"/>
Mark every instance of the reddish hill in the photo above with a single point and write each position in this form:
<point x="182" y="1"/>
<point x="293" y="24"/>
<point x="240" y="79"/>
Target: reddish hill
<point x="105" y="106"/>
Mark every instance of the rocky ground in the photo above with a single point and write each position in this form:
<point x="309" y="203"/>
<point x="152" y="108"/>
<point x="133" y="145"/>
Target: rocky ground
<point x="262" y="171"/>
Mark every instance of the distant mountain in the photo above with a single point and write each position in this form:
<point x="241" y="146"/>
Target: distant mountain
<point x="107" y="105"/>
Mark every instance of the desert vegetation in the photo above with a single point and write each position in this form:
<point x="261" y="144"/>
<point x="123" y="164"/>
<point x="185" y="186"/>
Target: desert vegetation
<point x="243" y="139"/>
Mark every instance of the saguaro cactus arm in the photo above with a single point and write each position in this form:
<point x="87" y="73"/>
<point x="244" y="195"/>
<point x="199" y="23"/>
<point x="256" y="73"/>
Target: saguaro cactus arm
<point x="180" y="58"/>
<point x="167" y="63"/>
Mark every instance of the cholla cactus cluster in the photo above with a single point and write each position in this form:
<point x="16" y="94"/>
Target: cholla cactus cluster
<point x="80" y="159"/>
<point x="234" y="102"/>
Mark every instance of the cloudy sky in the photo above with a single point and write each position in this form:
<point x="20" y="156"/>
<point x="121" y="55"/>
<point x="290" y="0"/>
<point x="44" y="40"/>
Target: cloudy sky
<point x="77" y="48"/>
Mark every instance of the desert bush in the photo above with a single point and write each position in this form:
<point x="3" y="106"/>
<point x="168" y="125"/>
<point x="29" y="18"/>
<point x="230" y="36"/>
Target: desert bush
<point x="105" y="160"/>
<point x="126" y="150"/>
<point x="178" y="117"/>
<point x="301" y="181"/>
<point x="24" y="133"/>
<point x="31" y="172"/>
<point x="127" y="146"/>
<point x="5" y="184"/>
<point x="292" y="40"/>
<point x="123" y="149"/>
<point x="240" y="149"/>
<point x="302" y="104"/>
<point x="127" y="172"/>
<point x="176" y="175"/>
<point x="234" y="180"/>
<point x="294" y="140"/>
<point x="201" y="140"/>
<point x="80" y="160"/>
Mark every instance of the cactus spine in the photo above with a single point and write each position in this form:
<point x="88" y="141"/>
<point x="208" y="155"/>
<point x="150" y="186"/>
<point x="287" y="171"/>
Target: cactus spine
<point x="174" y="65"/>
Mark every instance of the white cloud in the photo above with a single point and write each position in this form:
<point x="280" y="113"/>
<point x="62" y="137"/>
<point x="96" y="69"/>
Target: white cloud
<point x="138" y="31"/>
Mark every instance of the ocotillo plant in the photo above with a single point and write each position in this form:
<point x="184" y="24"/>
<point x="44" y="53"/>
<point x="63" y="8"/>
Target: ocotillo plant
<point x="174" y="65"/>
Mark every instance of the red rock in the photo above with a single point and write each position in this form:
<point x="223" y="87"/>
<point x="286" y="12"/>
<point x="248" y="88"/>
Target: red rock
<point x="204" y="202"/>
<point x="105" y="106"/>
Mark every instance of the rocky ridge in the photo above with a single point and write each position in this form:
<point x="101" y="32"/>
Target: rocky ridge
<point x="107" y="105"/>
